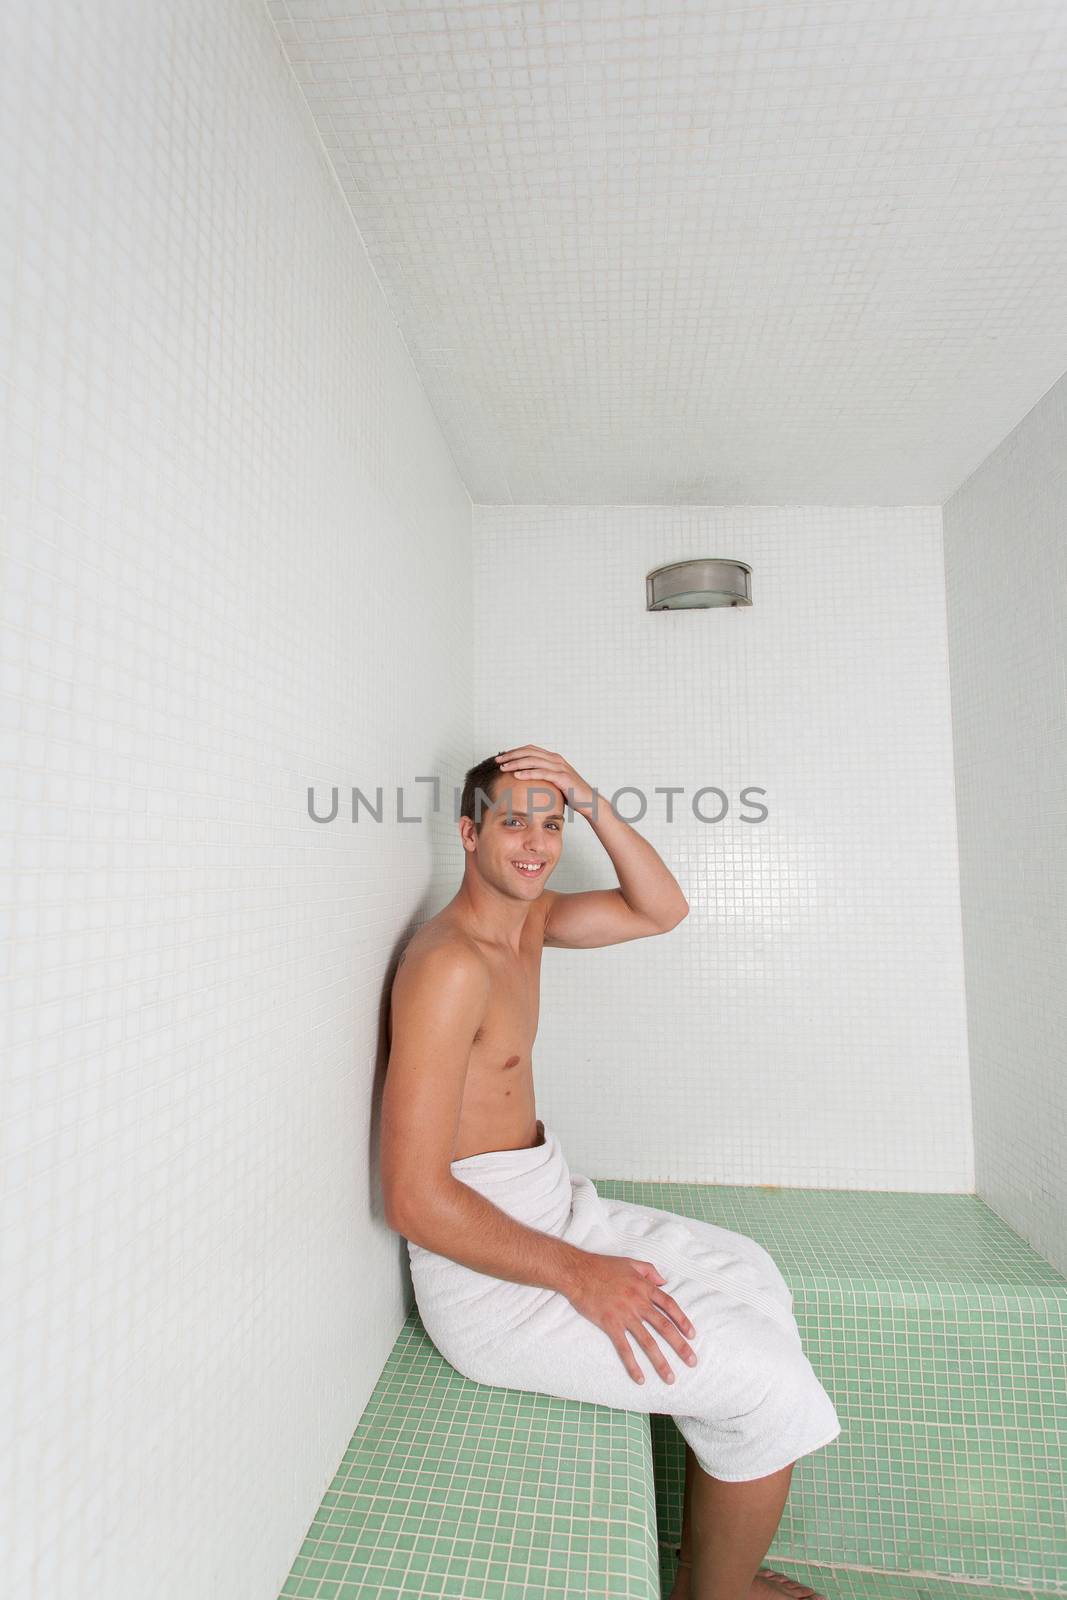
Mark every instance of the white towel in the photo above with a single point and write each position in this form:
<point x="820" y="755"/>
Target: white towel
<point x="750" y="1406"/>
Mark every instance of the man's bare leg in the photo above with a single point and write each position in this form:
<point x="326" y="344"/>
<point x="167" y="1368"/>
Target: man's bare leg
<point x="681" y="1583"/>
<point x="726" y="1532"/>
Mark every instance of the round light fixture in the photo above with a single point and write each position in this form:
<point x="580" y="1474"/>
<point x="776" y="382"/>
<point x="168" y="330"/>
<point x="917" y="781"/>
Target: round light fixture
<point x="695" y="585"/>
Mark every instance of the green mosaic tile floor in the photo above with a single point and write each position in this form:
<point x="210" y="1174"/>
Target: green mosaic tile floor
<point x="841" y="1583"/>
<point x="939" y="1334"/>
<point x="858" y="1239"/>
<point x="941" y="1337"/>
<point x="452" y="1488"/>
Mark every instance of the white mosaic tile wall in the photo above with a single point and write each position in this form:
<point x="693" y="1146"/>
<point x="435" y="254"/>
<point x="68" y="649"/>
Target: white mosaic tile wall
<point x="805" y="1025"/>
<point x="1006" y="581"/>
<point x="235" y="561"/>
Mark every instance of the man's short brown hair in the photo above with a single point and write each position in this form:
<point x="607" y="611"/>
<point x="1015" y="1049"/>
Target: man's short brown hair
<point x="473" y="804"/>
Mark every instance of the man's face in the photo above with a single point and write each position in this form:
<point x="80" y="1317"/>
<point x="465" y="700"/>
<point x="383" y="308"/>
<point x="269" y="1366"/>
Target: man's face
<point x="517" y="849"/>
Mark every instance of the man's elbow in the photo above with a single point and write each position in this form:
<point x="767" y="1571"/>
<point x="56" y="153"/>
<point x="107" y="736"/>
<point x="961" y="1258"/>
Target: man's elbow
<point x="679" y="916"/>
<point x="393" y="1206"/>
<point x="671" y="919"/>
<point x="405" y="1210"/>
<point x="398" y="1213"/>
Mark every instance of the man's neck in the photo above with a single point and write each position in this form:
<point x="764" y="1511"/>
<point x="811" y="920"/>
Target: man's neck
<point x="489" y="915"/>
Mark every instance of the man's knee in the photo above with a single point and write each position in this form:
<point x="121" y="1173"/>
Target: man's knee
<point x="799" y="1407"/>
<point x="780" y="1389"/>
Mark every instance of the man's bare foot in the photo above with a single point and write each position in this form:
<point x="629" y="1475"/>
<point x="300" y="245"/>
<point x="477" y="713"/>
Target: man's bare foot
<point x="681" y="1589"/>
<point x="759" y="1589"/>
<point x="784" y="1588"/>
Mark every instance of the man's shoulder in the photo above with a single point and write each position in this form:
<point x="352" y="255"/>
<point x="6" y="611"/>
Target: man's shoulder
<point x="439" y="950"/>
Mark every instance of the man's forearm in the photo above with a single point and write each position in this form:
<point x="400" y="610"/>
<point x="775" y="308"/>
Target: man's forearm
<point x="463" y="1225"/>
<point x="647" y="883"/>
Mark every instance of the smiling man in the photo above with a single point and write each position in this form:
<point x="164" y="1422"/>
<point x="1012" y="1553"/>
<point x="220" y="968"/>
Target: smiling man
<point x="524" y="1276"/>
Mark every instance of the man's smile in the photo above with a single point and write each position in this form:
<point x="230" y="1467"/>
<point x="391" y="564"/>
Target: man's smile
<point x="530" y="869"/>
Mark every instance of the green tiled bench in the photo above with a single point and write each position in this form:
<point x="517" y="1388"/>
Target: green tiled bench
<point x="939" y="1334"/>
<point x="453" y="1488"/>
<point x="941" y="1337"/>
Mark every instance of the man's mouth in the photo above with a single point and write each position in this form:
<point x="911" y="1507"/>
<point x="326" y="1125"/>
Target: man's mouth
<point x="529" y="869"/>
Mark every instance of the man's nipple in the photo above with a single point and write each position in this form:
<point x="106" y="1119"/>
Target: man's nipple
<point x="512" y="1061"/>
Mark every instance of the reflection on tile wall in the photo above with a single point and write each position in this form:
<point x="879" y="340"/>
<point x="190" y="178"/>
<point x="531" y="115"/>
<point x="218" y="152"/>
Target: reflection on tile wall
<point x="235" y="562"/>
<point x="1006" y="579"/>
<point x="805" y="1025"/>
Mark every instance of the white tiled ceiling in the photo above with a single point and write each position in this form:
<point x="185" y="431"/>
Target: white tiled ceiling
<point x="707" y="250"/>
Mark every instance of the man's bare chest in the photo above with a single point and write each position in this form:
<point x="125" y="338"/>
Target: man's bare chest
<point x="513" y="1006"/>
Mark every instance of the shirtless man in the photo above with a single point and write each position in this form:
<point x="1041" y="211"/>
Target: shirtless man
<point x="459" y="1089"/>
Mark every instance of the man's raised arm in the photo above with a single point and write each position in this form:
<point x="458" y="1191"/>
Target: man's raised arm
<point x="649" y="898"/>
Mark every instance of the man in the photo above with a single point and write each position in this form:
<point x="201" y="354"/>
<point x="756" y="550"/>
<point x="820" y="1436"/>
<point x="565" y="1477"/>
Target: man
<point x="523" y="1275"/>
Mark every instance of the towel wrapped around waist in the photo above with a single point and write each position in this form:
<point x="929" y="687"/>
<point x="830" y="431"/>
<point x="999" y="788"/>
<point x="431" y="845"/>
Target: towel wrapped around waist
<point x="750" y="1406"/>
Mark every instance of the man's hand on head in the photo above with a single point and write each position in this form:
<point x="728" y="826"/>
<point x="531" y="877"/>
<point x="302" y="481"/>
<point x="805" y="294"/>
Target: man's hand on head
<point x="530" y="763"/>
